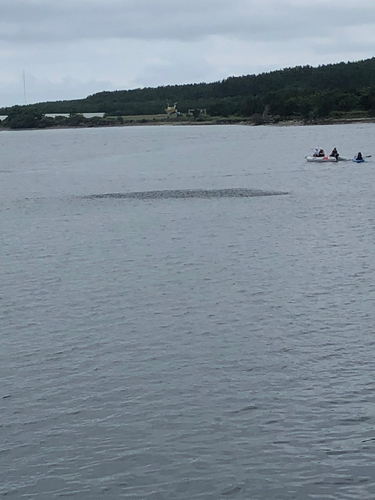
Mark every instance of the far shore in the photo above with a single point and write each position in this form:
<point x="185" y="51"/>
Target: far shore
<point x="215" y="121"/>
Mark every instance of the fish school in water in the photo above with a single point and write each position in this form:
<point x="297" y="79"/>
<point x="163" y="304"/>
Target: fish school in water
<point x="320" y="156"/>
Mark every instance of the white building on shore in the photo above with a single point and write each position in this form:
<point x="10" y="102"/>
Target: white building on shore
<point x="67" y="115"/>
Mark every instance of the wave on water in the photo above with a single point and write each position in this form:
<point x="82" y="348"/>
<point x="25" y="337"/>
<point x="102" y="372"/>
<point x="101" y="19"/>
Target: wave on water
<point x="189" y="193"/>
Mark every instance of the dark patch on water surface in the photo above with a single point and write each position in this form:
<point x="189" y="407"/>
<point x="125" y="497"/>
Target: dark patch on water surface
<point x="246" y="409"/>
<point x="231" y="491"/>
<point x="190" y="193"/>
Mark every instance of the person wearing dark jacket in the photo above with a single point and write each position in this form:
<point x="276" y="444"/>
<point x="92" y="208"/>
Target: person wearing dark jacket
<point x="335" y="153"/>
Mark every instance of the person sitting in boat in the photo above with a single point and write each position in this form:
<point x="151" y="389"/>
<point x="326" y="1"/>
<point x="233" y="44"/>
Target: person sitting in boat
<point x="321" y="152"/>
<point x="359" y="156"/>
<point x="335" y="154"/>
<point x="316" y="152"/>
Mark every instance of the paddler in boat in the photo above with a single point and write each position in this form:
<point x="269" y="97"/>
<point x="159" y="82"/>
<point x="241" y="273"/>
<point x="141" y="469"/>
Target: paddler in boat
<point x="359" y="157"/>
<point x="321" y="152"/>
<point x="316" y="152"/>
<point x="335" y="153"/>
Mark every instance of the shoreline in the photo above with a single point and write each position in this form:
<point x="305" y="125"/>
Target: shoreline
<point x="219" y="121"/>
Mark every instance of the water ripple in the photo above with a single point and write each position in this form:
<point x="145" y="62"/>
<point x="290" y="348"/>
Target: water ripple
<point x="162" y="349"/>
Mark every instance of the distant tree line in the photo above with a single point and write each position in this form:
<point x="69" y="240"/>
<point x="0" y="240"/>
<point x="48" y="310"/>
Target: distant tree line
<point x="303" y="93"/>
<point x="20" y="117"/>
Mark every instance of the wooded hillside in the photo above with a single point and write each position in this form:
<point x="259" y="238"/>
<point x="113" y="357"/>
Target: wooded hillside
<point x="302" y="92"/>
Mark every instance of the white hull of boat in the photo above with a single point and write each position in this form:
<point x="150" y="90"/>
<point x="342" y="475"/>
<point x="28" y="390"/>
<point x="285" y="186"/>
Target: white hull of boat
<point x="321" y="159"/>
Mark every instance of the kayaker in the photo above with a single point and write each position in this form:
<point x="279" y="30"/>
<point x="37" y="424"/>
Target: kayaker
<point x="359" y="156"/>
<point x="335" y="154"/>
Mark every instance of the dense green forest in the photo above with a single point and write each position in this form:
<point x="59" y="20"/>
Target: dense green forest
<point x="334" y="91"/>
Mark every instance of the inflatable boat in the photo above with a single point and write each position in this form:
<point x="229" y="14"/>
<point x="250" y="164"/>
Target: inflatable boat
<point x="358" y="161"/>
<point x="321" y="159"/>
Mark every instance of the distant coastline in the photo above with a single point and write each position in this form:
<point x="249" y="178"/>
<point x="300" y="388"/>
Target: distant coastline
<point x="214" y="121"/>
<point x="342" y="93"/>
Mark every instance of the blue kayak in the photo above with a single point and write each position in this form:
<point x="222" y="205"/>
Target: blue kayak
<point x="358" y="161"/>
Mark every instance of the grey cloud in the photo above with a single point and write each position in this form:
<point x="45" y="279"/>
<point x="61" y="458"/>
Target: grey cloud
<point x="78" y="47"/>
<point x="42" y="90"/>
<point x="350" y="48"/>
<point x="51" y="21"/>
<point x="182" y="70"/>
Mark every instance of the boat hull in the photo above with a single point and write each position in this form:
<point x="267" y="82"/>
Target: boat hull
<point x="321" y="159"/>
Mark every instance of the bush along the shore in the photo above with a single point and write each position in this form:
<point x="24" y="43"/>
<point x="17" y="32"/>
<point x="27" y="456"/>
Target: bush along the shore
<point x="29" y="117"/>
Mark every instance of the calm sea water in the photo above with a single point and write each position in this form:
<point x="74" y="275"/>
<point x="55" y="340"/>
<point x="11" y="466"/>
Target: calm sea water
<point x="178" y="338"/>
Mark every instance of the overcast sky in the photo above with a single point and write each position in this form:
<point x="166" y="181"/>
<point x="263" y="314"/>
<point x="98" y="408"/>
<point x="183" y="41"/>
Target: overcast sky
<point x="69" y="49"/>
